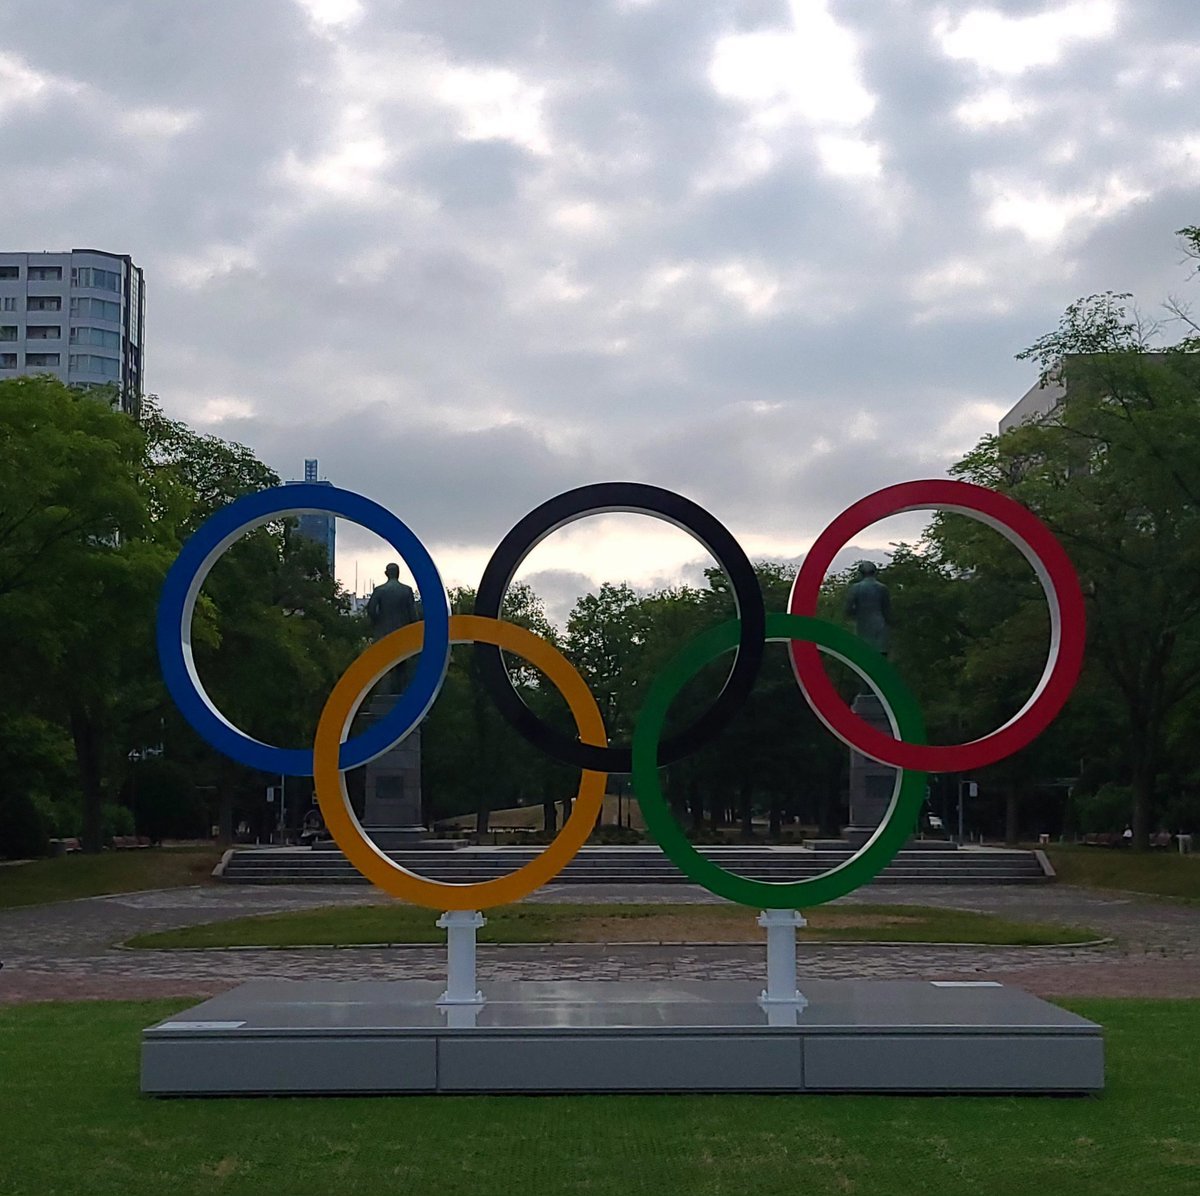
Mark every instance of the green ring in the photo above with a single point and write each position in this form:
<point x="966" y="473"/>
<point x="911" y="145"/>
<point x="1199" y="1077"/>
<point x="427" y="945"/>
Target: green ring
<point x="864" y="864"/>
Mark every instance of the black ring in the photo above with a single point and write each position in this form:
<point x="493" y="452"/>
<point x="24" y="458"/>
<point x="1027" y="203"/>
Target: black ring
<point x="603" y="498"/>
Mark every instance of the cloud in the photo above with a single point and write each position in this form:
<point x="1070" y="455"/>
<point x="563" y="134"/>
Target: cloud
<point x="772" y="255"/>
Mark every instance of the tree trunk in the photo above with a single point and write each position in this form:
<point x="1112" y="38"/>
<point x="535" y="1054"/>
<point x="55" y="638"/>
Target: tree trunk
<point x="224" y="819"/>
<point x="1144" y="773"/>
<point x="747" y="803"/>
<point x="549" y="816"/>
<point x="829" y="813"/>
<point x="87" y="755"/>
<point x="695" y="804"/>
<point x="1012" y="809"/>
<point x="775" y="826"/>
<point x="484" y="796"/>
<point x="224" y="802"/>
<point x="676" y="795"/>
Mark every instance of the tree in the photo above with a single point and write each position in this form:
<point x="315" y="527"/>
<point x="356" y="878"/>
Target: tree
<point x="971" y="633"/>
<point x="472" y="760"/>
<point x="78" y="566"/>
<point x="93" y="509"/>
<point x="67" y="481"/>
<point x="1112" y="471"/>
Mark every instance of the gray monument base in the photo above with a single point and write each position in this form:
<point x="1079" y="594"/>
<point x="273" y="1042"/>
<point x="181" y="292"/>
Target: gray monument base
<point x="871" y="783"/>
<point x="393" y="838"/>
<point x="396" y="838"/>
<point x="278" y="1037"/>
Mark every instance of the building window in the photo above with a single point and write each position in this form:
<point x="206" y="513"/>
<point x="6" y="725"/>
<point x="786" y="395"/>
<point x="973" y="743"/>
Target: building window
<point x="8" y="361"/>
<point x="8" y="332"/>
<point x="98" y="309"/>
<point x="43" y="303"/>
<point x="90" y="363"/>
<point x="8" y="304"/>
<point x="90" y="276"/>
<point x="44" y="332"/>
<point x="96" y="336"/>
<point x="32" y="359"/>
<point x="9" y="272"/>
<point x="45" y="274"/>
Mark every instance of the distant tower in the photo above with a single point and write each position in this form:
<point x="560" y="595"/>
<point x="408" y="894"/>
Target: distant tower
<point x="319" y="527"/>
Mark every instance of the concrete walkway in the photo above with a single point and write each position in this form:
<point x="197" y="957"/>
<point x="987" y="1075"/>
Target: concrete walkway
<point x="67" y="950"/>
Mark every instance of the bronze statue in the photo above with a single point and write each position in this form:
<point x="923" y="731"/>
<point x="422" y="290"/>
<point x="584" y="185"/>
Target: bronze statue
<point x="869" y="604"/>
<point x="390" y="607"/>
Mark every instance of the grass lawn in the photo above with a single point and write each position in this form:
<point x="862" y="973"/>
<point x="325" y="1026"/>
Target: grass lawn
<point x="1164" y="873"/>
<point x="552" y="923"/>
<point x="61" y="879"/>
<point x="74" y="1122"/>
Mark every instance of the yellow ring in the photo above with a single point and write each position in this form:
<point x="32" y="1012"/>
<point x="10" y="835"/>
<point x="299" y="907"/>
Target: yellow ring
<point x="347" y="831"/>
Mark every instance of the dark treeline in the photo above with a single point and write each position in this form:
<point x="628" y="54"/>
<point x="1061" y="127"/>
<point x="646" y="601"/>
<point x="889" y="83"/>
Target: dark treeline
<point x="94" y="507"/>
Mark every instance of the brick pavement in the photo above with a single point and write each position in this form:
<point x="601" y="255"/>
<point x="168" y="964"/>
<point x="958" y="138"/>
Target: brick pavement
<point x="67" y="950"/>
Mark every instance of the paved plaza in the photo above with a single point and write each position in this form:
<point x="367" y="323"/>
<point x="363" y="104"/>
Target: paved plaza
<point x="71" y="949"/>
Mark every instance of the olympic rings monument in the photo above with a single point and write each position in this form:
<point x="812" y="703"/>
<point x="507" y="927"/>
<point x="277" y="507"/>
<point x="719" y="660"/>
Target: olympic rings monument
<point x="386" y="1036"/>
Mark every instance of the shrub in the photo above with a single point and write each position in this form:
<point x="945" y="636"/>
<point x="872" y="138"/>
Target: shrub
<point x="23" y="829"/>
<point x="63" y="816"/>
<point x="615" y="835"/>
<point x="1110" y="808"/>
<point x="167" y="804"/>
<point x="115" y="820"/>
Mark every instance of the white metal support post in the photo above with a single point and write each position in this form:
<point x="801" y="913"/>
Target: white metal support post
<point x="781" y="926"/>
<point x="460" y="926"/>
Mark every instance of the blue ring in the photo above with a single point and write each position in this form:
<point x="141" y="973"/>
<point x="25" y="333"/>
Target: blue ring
<point x="191" y="567"/>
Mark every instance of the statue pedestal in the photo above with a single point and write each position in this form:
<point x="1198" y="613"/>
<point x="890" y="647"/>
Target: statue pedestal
<point x="871" y="783"/>
<point x="392" y="811"/>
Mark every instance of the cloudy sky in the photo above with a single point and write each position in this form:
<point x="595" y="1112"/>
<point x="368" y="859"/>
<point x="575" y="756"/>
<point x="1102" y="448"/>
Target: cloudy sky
<point x="772" y="255"/>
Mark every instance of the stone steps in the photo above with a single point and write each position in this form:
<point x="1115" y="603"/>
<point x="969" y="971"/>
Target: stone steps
<point x="624" y="866"/>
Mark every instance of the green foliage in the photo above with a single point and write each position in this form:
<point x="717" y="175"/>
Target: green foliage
<point x="1112" y="472"/>
<point x="93" y="509"/>
<point x="472" y="760"/>
<point x="1109" y="809"/>
<point x="63" y="818"/>
<point x="116" y="820"/>
<point x="166" y="805"/>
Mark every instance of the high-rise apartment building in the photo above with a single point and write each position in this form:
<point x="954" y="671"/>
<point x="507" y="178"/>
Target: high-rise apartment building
<point x="79" y="316"/>
<point x="315" y="525"/>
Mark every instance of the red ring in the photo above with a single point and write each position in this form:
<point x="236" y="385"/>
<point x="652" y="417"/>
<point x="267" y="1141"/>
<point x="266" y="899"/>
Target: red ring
<point x="1067" y="624"/>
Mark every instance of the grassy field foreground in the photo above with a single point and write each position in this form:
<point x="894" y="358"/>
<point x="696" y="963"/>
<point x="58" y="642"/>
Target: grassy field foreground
<point x="74" y="1122"/>
<point x="341" y="926"/>
<point x="40" y="881"/>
